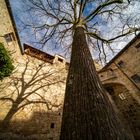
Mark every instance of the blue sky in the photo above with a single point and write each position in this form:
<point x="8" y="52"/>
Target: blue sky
<point x="27" y="34"/>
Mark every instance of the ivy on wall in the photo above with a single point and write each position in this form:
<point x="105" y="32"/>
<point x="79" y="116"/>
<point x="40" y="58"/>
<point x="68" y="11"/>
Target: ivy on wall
<point x="6" y="66"/>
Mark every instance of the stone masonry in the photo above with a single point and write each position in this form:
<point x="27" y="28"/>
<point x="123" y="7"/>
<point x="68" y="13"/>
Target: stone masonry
<point x="39" y="78"/>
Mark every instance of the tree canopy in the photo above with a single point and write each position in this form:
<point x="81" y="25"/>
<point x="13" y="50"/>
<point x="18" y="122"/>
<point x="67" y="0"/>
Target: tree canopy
<point x="104" y="21"/>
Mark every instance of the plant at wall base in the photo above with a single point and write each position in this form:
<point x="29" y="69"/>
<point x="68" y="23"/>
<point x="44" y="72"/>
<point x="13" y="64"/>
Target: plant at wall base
<point x="6" y="66"/>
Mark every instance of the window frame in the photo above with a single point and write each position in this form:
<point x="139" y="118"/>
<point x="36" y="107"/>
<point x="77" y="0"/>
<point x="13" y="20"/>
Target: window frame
<point x="9" y="38"/>
<point x="122" y="96"/>
<point x="137" y="46"/>
<point x="60" y="59"/>
<point x="121" y="64"/>
<point x="136" y="78"/>
<point x="52" y="125"/>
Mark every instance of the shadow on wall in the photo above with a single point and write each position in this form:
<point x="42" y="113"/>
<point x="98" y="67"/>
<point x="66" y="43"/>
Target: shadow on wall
<point x="41" y="126"/>
<point x="32" y="87"/>
<point x="127" y="107"/>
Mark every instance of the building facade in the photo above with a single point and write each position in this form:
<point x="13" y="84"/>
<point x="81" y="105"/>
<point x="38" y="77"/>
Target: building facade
<point x="35" y="90"/>
<point x="121" y="79"/>
<point x="37" y="85"/>
<point x="8" y="32"/>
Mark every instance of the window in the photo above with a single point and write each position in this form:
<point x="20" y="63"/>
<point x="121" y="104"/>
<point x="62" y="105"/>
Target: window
<point x="137" y="46"/>
<point x="122" y="96"/>
<point x="9" y="37"/>
<point x="52" y="125"/>
<point x="135" y="78"/>
<point x="59" y="59"/>
<point x="121" y="64"/>
<point x="101" y="76"/>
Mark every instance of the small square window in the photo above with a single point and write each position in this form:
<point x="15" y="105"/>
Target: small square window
<point x="101" y="76"/>
<point x="137" y="46"/>
<point x="52" y="125"/>
<point x="9" y="37"/>
<point x="121" y="64"/>
<point x="60" y="60"/>
<point x="122" y="96"/>
<point x="136" y="78"/>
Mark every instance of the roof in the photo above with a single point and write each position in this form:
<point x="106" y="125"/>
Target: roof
<point x="121" y="52"/>
<point x="29" y="50"/>
<point x="13" y="23"/>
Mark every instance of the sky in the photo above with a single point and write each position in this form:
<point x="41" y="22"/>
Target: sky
<point x="108" y="29"/>
<point x="26" y="33"/>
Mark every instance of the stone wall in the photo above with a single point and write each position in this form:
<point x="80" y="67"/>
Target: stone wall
<point x="33" y="120"/>
<point x="7" y="32"/>
<point x="123" y="89"/>
<point x="38" y="120"/>
<point x="41" y="88"/>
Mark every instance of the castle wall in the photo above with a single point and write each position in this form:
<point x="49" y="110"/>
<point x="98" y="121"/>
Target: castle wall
<point x="40" y="86"/>
<point x="36" y="79"/>
<point x="7" y="32"/>
<point x="126" y="96"/>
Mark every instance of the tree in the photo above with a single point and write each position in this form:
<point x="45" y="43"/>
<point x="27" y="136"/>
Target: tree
<point x="29" y="85"/>
<point x="87" y="113"/>
<point x="6" y="66"/>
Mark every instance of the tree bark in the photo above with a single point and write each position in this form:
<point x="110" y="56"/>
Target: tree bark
<point x="87" y="112"/>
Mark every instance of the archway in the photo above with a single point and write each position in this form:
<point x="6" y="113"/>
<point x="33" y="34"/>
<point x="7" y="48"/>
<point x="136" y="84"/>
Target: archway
<point x="128" y="108"/>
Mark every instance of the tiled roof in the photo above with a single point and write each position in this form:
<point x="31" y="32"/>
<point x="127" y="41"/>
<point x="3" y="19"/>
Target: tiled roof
<point x="29" y="50"/>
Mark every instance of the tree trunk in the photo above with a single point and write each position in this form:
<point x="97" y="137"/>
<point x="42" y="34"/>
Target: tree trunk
<point x="87" y="113"/>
